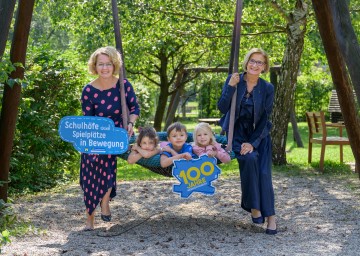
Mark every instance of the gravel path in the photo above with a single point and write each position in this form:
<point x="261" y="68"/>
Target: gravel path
<point x="315" y="215"/>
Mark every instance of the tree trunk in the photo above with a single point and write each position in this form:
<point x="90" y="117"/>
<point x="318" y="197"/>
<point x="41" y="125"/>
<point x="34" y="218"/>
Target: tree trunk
<point x="285" y="91"/>
<point x="11" y="98"/>
<point x="160" y="109"/>
<point x="179" y="84"/>
<point x="339" y="73"/>
<point x="348" y="43"/>
<point x="295" y="128"/>
<point x="6" y="13"/>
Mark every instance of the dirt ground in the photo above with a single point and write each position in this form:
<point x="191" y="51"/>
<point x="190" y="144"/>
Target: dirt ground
<point x="315" y="216"/>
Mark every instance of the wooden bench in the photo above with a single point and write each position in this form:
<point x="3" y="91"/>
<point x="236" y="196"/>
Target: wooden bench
<point x="317" y="127"/>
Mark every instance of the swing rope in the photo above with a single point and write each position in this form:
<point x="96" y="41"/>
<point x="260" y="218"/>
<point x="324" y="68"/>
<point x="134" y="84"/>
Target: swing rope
<point x="236" y="48"/>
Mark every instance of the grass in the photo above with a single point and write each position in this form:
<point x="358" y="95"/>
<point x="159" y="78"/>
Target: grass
<point x="296" y="158"/>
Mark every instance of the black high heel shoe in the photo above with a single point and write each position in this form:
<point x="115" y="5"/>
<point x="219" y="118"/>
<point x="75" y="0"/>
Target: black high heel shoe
<point x="105" y="218"/>
<point x="271" y="231"/>
<point x="258" y="220"/>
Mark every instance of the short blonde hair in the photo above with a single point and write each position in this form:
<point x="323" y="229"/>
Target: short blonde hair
<point x="109" y="51"/>
<point x="206" y="128"/>
<point x="250" y="53"/>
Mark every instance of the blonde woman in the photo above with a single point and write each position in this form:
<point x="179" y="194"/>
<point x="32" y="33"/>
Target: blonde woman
<point x="101" y="97"/>
<point x="251" y="141"/>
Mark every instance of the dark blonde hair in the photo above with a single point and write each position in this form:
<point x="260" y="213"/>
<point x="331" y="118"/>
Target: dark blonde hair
<point x="204" y="127"/>
<point x="147" y="132"/>
<point x="250" y="53"/>
<point x="109" y="51"/>
<point x="177" y="126"/>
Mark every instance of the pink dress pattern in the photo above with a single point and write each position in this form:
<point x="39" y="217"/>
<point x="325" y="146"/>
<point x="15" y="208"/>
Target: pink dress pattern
<point x="98" y="172"/>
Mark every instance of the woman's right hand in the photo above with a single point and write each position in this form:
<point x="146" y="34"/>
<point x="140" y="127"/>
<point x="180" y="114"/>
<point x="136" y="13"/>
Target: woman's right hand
<point x="234" y="80"/>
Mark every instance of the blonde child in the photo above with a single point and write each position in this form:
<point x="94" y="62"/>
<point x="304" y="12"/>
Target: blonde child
<point x="146" y="145"/>
<point x="177" y="148"/>
<point x="205" y="143"/>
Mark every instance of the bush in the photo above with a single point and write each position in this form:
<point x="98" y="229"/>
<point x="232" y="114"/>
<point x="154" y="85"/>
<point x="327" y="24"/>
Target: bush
<point x="209" y="94"/>
<point x="146" y="107"/>
<point x="312" y="93"/>
<point x="40" y="159"/>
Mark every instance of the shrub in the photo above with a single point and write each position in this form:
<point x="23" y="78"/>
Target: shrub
<point x="40" y="159"/>
<point x="312" y="93"/>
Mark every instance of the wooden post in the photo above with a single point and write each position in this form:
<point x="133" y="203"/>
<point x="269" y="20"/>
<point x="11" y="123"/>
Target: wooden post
<point x="12" y="95"/>
<point x="6" y="13"/>
<point x="339" y="74"/>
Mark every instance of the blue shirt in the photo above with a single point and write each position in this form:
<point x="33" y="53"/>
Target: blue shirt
<point x="185" y="148"/>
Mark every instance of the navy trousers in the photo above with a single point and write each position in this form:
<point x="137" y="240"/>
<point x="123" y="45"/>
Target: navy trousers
<point x="256" y="182"/>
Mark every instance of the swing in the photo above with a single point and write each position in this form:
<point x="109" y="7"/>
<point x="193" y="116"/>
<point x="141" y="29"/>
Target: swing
<point x="153" y="163"/>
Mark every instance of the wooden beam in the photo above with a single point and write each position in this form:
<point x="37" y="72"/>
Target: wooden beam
<point x="339" y="74"/>
<point x="12" y="95"/>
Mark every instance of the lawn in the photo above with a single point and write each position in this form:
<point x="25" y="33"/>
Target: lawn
<point x="296" y="158"/>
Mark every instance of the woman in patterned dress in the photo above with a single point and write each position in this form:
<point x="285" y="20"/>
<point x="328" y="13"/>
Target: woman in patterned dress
<point x="101" y="97"/>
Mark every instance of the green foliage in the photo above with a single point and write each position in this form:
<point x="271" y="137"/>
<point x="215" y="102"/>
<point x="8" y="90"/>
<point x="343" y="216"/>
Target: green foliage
<point x="40" y="159"/>
<point x="6" y="67"/>
<point x="312" y="92"/>
<point x="11" y="225"/>
<point x="143" y="95"/>
<point x="7" y="219"/>
<point x="209" y="94"/>
<point x="4" y="238"/>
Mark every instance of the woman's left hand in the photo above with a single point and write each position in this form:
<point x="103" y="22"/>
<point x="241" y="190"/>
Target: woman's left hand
<point x="246" y="148"/>
<point x="130" y="129"/>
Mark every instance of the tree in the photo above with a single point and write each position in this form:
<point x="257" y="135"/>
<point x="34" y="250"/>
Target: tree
<point x="326" y="13"/>
<point x="348" y="42"/>
<point x="285" y="90"/>
<point x="12" y="93"/>
<point x="6" y="13"/>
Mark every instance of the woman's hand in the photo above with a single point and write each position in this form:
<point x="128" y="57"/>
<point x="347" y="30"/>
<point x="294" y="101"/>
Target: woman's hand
<point x="234" y="80"/>
<point x="246" y="148"/>
<point x="130" y="128"/>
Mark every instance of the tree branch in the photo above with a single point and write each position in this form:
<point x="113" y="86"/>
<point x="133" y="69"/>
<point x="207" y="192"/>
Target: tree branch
<point x="227" y="36"/>
<point x="144" y="75"/>
<point x="281" y="11"/>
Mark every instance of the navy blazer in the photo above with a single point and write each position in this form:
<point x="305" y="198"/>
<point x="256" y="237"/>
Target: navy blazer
<point x="263" y="96"/>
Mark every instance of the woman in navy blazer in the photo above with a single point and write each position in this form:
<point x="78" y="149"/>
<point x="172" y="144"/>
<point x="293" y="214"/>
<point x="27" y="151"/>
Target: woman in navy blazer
<point x="251" y="140"/>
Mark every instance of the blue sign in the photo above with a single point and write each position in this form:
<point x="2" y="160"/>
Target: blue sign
<point x="93" y="135"/>
<point x="195" y="175"/>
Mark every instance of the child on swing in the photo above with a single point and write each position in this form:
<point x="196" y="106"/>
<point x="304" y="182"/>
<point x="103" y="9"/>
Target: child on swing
<point x="146" y="145"/>
<point x="205" y="143"/>
<point x="176" y="148"/>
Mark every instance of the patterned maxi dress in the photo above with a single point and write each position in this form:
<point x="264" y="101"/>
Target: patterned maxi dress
<point x="98" y="172"/>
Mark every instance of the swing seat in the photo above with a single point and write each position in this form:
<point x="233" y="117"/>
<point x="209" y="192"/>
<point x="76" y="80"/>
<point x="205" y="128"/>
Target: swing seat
<point x="153" y="163"/>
